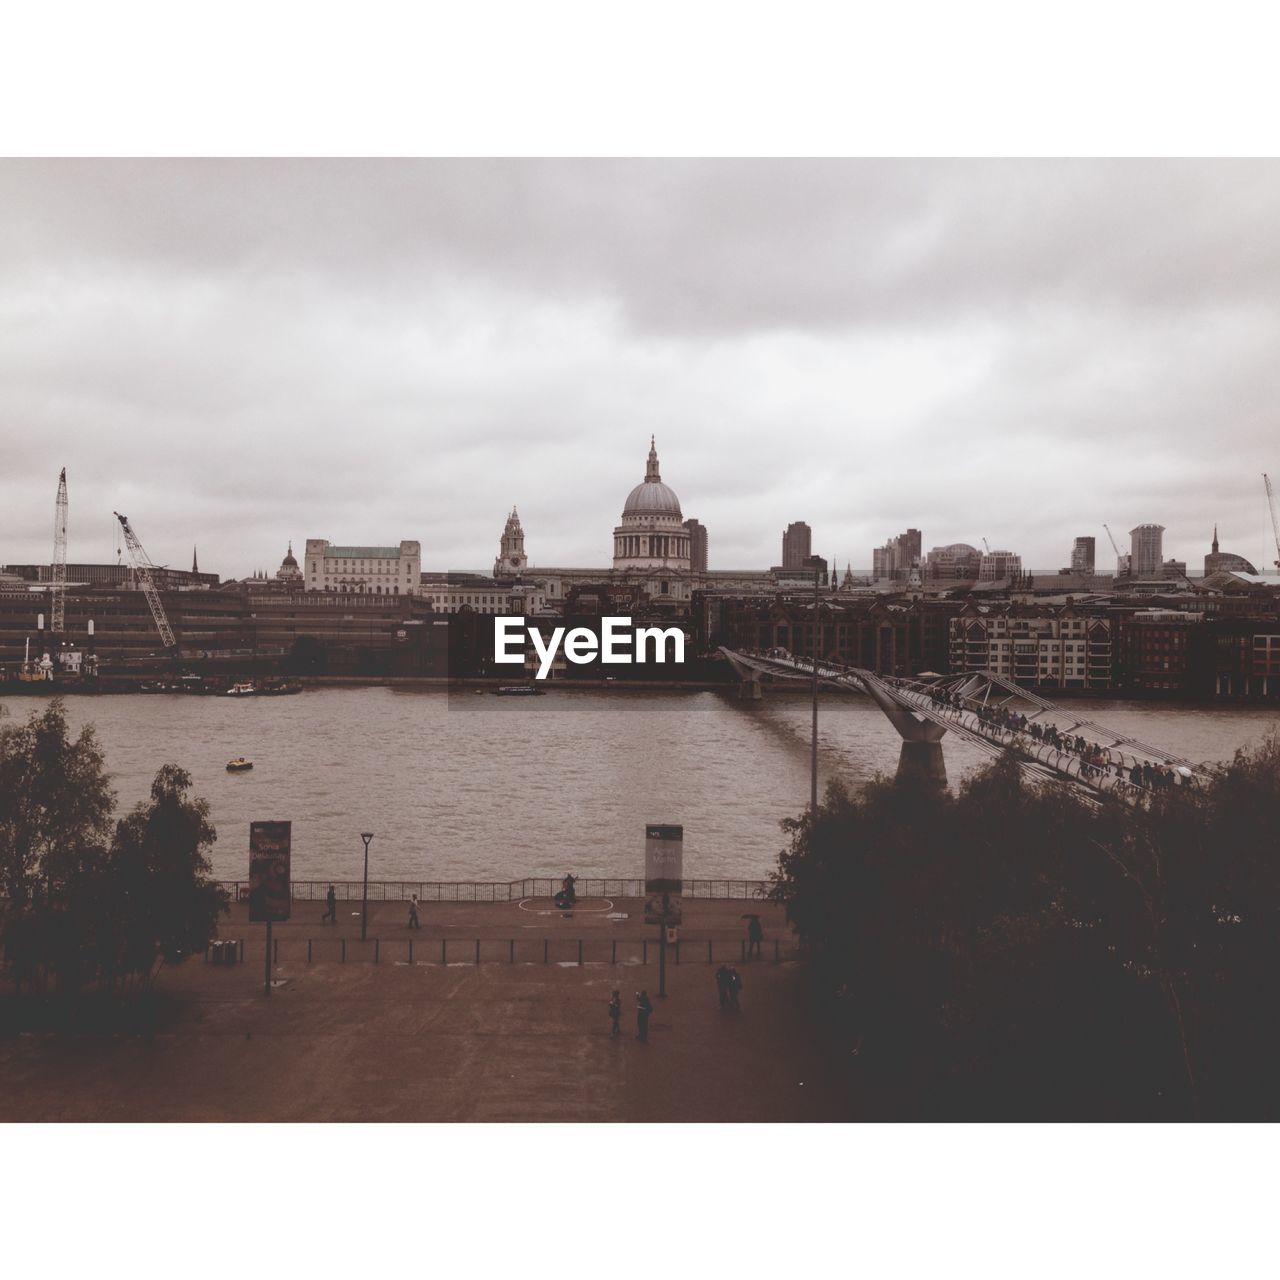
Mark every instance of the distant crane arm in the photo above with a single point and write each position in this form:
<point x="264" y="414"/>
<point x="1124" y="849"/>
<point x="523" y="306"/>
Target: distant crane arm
<point x="1275" y="520"/>
<point x="58" y="576"/>
<point x="143" y="568"/>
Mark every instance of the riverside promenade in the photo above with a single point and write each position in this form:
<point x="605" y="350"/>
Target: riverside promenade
<point x="523" y="1035"/>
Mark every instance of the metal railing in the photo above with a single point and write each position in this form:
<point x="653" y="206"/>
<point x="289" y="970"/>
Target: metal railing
<point x="449" y="952"/>
<point x="500" y="890"/>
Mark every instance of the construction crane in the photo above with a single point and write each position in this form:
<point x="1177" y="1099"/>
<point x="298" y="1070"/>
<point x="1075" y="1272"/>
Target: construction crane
<point x="58" y="574"/>
<point x="986" y="546"/>
<point x="1275" y="521"/>
<point x="142" y="568"/>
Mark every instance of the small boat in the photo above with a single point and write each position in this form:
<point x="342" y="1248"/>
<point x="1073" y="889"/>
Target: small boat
<point x="243" y="689"/>
<point x="518" y="691"/>
<point x="239" y="765"/>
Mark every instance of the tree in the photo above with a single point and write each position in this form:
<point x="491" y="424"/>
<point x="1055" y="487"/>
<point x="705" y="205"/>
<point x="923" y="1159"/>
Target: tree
<point x="82" y="903"/>
<point x="55" y="802"/>
<point x="158" y="900"/>
<point x="1012" y="951"/>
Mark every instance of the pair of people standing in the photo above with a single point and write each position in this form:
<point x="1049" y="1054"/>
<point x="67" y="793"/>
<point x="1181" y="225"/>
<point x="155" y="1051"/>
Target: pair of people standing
<point x="728" y="986"/>
<point x="644" y="1008"/>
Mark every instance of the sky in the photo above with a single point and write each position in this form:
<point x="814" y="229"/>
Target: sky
<point x="240" y="353"/>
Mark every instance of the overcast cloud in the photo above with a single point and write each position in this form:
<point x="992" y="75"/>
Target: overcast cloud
<point x="240" y="353"/>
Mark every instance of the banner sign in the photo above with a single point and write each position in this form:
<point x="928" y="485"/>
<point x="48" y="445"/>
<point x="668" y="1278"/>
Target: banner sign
<point x="269" y="850"/>
<point x="663" y="872"/>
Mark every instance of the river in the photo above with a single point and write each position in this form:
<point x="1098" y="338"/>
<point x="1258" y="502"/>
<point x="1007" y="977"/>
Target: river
<point x="460" y="786"/>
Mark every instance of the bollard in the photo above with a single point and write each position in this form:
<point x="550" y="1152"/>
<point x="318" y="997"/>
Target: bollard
<point x="511" y="953"/>
<point x="579" y="953"/>
<point x="410" y="950"/>
<point x="477" y="951"/>
<point x="377" y="950"/>
<point x="615" y="951"/>
<point x="344" y="951"/>
<point x="308" y="950"/>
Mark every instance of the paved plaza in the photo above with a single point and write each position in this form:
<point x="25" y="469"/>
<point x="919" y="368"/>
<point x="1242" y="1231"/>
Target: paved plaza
<point x="521" y="1036"/>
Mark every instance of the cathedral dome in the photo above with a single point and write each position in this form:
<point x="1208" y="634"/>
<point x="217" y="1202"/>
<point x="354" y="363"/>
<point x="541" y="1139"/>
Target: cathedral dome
<point x="651" y="497"/>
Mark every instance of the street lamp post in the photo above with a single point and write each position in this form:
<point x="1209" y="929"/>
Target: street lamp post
<point x="814" y="562"/>
<point x="366" y="836"/>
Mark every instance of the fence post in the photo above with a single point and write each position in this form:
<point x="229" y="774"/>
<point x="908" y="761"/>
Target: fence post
<point x="477" y="951"/>
<point x="579" y="953"/>
<point x="344" y="951"/>
<point x="444" y="951"/>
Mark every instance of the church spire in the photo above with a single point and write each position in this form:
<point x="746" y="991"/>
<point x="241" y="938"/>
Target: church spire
<point x="1215" y="537"/>
<point x="651" y="470"/>
<point x="195" y="564"/>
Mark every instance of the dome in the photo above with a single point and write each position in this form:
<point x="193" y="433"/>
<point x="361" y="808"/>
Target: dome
<point x="289" y="562"/>
<point x="651" y="497"/>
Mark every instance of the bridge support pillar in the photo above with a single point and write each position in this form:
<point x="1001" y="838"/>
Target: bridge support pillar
<point x="749" y="690"/>
<point x="922" y="762"/>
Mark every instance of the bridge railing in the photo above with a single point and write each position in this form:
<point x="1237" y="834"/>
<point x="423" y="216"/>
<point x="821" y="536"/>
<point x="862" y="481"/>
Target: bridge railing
<point x="501" y="890"/>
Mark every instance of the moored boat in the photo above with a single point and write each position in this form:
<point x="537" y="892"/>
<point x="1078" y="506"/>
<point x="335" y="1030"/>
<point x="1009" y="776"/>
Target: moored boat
<point x="239" y="765"/>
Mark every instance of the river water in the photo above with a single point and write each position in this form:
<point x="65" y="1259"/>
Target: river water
<point x="460" y="786"/>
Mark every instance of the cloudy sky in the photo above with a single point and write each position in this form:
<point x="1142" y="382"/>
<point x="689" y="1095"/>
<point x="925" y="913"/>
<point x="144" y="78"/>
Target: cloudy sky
<point x="239" y="353"/>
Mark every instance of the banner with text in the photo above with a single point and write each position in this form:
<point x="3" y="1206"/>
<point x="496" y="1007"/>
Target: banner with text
<point x="663" y="872"/>
<point x="270" y="846"/>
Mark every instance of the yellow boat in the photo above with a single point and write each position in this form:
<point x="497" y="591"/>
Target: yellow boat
<point x="239" y="765"/>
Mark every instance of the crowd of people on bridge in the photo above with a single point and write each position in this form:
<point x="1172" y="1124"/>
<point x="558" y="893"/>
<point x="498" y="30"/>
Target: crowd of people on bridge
<point x="1096" y="761"/>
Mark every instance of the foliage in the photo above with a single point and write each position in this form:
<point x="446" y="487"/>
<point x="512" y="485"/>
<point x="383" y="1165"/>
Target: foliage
<point x="86" y="903"/>
<point x="1011" y="951"/>
<point x="55" y="802"/>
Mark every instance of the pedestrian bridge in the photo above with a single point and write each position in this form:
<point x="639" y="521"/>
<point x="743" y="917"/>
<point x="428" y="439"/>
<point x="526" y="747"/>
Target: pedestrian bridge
<point x="1051" y="743"/>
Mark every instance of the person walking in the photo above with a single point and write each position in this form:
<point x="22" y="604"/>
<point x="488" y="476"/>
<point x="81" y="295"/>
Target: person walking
<point x="331" y="907"/>
<point x="644" y="1007"/>
<point x="413" y="913"/>
<point x="735" y="988"/>
<point x="755" y="936"/>
<point x="722" y="985"/>
<point x="615" y="1014"/>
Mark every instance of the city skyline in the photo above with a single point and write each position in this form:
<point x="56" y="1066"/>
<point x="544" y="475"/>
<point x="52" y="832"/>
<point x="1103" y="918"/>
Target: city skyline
<point x="240" y="353"/>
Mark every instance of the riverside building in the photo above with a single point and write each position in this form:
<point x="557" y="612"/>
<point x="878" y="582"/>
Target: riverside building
<point x="374" y="571"/>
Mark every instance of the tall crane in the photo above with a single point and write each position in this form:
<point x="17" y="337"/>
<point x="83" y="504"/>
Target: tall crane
<point x="142" y="568"/>
<point x="1275" y="521"/>
<point x="987" y="546"/>
<point x="58" y="576"/>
